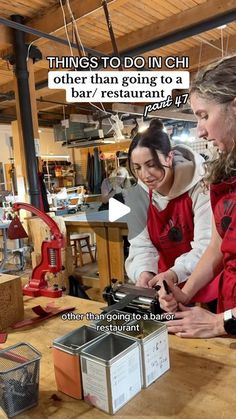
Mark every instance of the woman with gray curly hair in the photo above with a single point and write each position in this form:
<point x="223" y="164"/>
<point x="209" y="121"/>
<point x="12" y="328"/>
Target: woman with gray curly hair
<point x="213" y="100"/>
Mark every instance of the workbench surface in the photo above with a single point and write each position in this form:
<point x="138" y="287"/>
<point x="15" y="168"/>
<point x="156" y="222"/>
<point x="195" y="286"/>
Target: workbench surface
<point x="200" y="383"/>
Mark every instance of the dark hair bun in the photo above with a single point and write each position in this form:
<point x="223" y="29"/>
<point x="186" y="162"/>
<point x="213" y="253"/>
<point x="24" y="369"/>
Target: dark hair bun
<point x="156" y="124"/>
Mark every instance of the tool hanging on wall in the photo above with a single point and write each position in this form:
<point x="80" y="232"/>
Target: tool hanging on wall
<point x="111" y="32"/>
<point x="50" y="259"/>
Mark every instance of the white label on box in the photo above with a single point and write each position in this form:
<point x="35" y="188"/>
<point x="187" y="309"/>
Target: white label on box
<point x="125" y="379"/>
<point x="94" y="384"/>
<point x="156" y="357"/>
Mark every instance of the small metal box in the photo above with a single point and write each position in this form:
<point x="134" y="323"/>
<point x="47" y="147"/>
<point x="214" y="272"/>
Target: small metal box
<point x="66" y="357"/>
<point x="111" y="372"/>
<point x="152" y="337"/>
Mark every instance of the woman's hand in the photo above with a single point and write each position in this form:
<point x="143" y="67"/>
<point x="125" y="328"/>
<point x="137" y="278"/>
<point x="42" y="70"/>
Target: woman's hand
<point x="169" y="302"/>
<point x="196" y="322"/>
<point x="169" y="276"/>
<point x="144" y="279"/>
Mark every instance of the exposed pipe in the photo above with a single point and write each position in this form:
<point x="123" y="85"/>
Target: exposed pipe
<point x="7" y="96"/>
<point x="181" y="34"/>
<point x="11" y="95"/>
<point x="40" y="34"/>
<point x="22" y="77"/>
<point x="42" y="122"/>
<point x="111" y="32"/>
<point x="148" y="46"/>
<point x="52" y="101"/>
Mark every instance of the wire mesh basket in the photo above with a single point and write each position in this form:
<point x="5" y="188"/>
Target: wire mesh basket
<point x="19" y="378"/>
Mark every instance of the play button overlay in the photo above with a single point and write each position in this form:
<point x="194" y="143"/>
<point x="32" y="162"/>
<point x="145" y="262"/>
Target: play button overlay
<point x="133" y="211"/>
<point x="92" y="219"/>
<point x="117" y="210"/>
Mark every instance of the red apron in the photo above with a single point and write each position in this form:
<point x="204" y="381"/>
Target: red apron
<point x="223" y="201"/>
<point x="171" y="231"/>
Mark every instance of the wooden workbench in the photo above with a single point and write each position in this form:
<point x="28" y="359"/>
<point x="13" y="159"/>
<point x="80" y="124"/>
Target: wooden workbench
<point x="85" y="223"/>
<point x="115" y="232"/>
<point x="200" y="383"/>
<point x="109" y="240"/>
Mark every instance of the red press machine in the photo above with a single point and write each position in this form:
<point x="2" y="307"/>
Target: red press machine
<point x="50" y="256"/>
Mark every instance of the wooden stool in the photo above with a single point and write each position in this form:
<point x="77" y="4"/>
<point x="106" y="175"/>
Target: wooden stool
<point x="76" y="241"/>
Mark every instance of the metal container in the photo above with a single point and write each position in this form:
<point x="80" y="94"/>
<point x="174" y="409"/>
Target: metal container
<point x="112" y="321"/>
<point x="66" y="350"/>
<point x="19" y="378"/>
<point x="111" y="372"/>
<point x="152" y="337"/>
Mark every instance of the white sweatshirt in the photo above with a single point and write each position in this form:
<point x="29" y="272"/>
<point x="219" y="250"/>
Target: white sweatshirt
<point x="143" y="255"/>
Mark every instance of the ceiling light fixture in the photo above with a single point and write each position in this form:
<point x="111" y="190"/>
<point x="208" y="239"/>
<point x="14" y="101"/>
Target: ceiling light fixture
<point x="142" y="125"/>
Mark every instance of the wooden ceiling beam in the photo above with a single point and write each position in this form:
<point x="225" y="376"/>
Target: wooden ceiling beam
<point x="6" y="37"/>
<point x="43" y="64"/>
<point x="10" y="115"/>
<point x="8" y="111"/>
<point x="207" y="54"/>
<point x="39" y="76"/>
<point x="53" y="20"/>
<point x="198" y="14"/>
<point x="54" y="97"/>
<point x="44" y="105"/>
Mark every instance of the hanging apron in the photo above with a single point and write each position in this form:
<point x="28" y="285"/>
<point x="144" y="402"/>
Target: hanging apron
<point x="223" y="201"/>
<point x="171" y="230"/>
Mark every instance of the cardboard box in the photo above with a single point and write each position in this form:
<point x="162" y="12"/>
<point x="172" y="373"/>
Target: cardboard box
<point x="11" y="300"/>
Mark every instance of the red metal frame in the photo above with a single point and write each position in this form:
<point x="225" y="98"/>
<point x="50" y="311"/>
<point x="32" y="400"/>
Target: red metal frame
<point x="50" y="256"/>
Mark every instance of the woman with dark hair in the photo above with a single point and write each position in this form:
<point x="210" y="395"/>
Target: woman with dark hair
<point x="213" y="100"/>
<point x="169" y="222"/>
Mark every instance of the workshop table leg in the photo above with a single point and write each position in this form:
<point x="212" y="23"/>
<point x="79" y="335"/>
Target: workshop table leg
<point x="103" y="257"/>
<point x="116" y="253"/>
